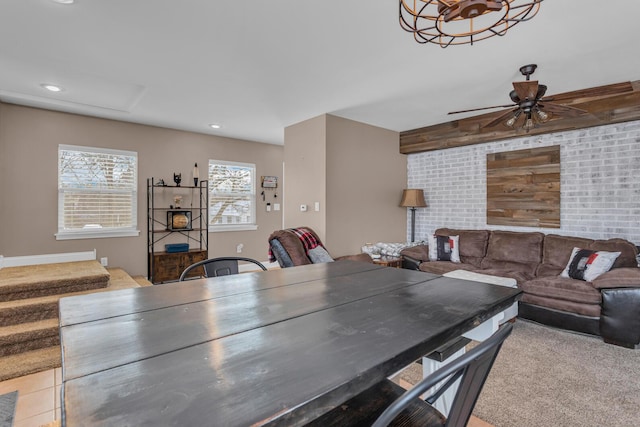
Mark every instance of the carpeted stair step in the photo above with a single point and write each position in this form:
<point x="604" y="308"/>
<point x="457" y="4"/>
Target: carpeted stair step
<point x="29" y="327"/>
<point x="29" y="362"/>
<point x="34" y="309"/>
<point x="16" y="339"/>
<point x="29" y="310"/>
<point x="51" y="279"/>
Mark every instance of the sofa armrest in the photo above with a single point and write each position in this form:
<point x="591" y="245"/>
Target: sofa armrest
<point x="620" y="316"/>
<point x="419" y="253"/>
<point x="628" y="277"/>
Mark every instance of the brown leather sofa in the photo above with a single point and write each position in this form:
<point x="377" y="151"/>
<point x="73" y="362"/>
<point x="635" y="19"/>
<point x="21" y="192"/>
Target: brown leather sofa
<point x="609" y="306"/>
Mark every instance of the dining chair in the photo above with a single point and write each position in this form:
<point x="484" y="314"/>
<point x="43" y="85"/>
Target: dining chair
<point x="388" y="404"/>
<point x="222" y="266"/>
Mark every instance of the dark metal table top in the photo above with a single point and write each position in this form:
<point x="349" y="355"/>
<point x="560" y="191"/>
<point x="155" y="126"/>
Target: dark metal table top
<point x="272" y="348"/>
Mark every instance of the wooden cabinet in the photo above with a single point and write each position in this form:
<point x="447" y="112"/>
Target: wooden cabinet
<point x="167" y="267"/>
<point x="185" y="225"/>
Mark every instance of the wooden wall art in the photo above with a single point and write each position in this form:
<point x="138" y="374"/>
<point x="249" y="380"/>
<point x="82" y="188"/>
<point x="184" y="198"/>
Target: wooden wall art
<point x="523" y="188"/>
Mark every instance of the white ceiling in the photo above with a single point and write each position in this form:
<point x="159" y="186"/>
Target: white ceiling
<point x="256" y="67"/>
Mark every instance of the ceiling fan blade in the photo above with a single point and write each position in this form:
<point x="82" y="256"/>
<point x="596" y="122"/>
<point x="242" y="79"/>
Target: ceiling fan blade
<point x="562" y="110"/>
<point x="526" y="90"/>
<point x="481" y="108"/>
<point x="500" y="118"/>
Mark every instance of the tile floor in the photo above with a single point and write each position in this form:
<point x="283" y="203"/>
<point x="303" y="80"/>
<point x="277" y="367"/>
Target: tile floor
<point x="38" y="397"/>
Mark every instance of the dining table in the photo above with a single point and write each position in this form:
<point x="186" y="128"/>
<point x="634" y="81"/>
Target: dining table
<point x="273" y="348"/>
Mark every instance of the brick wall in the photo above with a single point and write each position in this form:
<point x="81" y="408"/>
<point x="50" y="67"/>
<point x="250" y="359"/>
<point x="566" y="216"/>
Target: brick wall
<point x="600" y="183"/>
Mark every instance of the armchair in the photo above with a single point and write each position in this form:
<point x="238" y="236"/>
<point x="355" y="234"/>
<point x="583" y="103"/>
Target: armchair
<point x="301" y="246"/>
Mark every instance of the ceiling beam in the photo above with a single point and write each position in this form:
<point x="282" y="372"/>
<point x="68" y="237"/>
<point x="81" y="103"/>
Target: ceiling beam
<point x="608" y="104"/>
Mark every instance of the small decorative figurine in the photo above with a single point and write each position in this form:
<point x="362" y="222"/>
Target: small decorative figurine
<point x="177" y="178"/>
<point x="161" y="183"/>
<point x="195" y="175"/>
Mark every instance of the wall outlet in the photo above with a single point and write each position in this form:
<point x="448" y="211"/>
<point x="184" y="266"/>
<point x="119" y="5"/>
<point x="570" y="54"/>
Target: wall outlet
<point x="239" y="248"/>
<point x="316" y="206"/>
<point x="104" y="261"/>
<point x="276" y="206"/>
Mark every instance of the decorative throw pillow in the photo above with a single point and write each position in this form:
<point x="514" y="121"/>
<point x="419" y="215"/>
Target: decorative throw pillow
<point x="444" y="248"/>
<point x="319" y="254"/>
<point x="586" y="264"/>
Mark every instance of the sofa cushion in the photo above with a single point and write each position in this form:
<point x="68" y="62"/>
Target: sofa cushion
<point x="472" y="243"/>
<point x="591" y="310"/>
<point x="628" y="251"/>
<point x="513" y="251"/>
<point x="442" y="267"/>
<point x="587" y="264"/>
<point x="556" y="252"/>
<point x="562" y="288"/>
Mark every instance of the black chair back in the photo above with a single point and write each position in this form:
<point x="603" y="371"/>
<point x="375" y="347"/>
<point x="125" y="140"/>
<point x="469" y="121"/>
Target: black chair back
<point x="222" y="266"/>
<point x="473" y="369"/>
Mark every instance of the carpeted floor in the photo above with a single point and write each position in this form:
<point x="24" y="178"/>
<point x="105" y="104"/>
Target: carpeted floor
<point x="7" y="408"/>
<point x="549" y="377"/>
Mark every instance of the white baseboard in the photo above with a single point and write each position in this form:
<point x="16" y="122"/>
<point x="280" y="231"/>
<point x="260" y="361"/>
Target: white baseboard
<point x="18" y="261"/>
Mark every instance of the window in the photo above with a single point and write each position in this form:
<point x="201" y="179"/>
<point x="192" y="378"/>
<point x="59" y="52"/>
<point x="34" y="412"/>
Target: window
<point x="97" y="193"/>
<point x="232" y="196"/>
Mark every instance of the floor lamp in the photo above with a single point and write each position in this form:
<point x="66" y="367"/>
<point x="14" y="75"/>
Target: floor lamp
<point x="413" y="198"/>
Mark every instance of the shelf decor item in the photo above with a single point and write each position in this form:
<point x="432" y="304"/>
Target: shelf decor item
<point x="179" y="220"/>
<point x="177" y="178"/>
<point x="173" y="248"/>
<point x="196" y="175"/>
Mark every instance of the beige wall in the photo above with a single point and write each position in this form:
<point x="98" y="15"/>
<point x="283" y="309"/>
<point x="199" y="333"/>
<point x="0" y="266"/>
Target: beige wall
<point x="305" y="171"/>
<point x="365" y="177"/>
<point x="357" y="175"/>
<point x="29" y="141"/>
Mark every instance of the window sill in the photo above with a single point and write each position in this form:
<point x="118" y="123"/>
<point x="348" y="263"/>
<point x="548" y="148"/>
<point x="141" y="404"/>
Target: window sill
<point x="71" y="235"/>
<point x="238" y="227"/>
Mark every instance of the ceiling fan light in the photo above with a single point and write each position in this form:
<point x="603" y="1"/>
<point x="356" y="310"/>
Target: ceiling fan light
<point x="528" y="124"/>
<point x="542" y="115"/>
<point x="511" y="121"/>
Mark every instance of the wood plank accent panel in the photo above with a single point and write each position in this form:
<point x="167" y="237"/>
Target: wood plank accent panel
<point x="523" y="188"/>
<point x="608" y="104"/>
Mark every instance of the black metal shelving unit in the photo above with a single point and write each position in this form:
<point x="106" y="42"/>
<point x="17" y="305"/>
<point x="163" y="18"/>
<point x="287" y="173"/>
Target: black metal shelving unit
<point x="159" y="231"/>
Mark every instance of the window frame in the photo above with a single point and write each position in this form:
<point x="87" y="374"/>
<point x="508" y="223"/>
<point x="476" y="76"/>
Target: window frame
<point x="216" y="228"/>
<point x="132" y="231"/>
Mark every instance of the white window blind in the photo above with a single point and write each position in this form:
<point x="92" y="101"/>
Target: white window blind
<point x="97" y="192"/>
<point x="232" y="197"/>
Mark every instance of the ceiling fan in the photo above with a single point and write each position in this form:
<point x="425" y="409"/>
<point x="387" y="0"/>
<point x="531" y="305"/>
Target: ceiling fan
<point x="529" y="105"/>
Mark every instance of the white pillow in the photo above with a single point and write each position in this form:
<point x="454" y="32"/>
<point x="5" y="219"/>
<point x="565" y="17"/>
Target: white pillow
<point x="586" y="264"/>
<point x="444" y="248"/>
<point x="319" y="255"/>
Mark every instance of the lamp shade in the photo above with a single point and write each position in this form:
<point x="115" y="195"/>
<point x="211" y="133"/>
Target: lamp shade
<point x="413" y="198"/>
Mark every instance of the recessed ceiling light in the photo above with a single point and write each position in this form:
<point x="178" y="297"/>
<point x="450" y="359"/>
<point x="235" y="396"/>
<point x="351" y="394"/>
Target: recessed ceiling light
<point x="51" y="87"/>
<point x="214" y="126"/>
<point x="64" y="1"/>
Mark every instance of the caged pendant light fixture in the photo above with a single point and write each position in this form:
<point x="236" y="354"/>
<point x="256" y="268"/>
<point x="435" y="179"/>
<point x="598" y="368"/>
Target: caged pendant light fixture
<point x="454" y="22"/>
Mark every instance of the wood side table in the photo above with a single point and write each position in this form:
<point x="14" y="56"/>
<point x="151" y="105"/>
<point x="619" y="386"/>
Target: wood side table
<point x="389" y="261"/>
